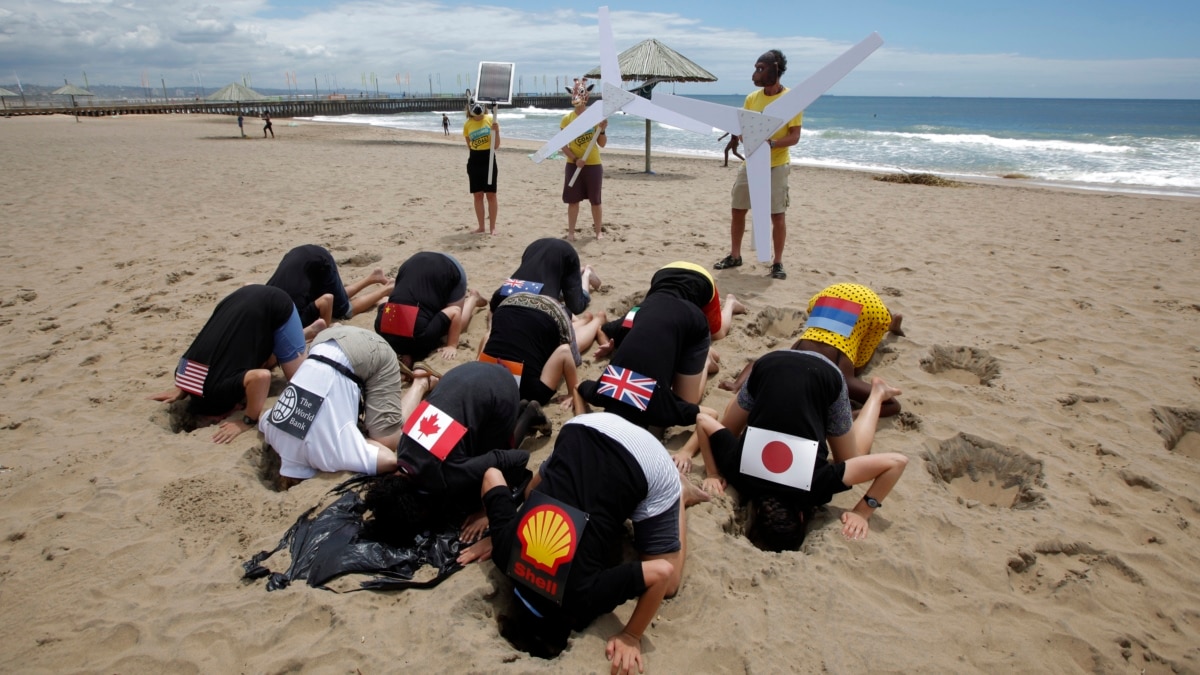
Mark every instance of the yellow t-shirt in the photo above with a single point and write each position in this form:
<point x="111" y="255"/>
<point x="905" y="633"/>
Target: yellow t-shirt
<point x="758" y="101"/>
<point x="579" y="145"/>
<point x="478" y="132"/>
<point x="872" y="322"/>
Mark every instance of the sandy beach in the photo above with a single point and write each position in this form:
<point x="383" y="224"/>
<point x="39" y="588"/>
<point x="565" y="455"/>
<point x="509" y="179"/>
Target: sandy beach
<point x="1048" y="521"/>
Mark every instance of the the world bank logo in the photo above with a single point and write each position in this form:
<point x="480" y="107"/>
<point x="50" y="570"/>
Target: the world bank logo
<point x="285" y="406"/>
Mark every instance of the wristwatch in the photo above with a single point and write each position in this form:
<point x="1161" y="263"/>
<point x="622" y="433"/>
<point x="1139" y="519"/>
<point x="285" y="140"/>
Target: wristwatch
<point x="246" y="419"/>
<point x="872" y="502"/>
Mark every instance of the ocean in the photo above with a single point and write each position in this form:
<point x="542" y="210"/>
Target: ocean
<point x="1120" y="145"/>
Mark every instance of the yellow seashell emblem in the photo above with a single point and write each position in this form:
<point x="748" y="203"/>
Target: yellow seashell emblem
<point x="547" y="537"/>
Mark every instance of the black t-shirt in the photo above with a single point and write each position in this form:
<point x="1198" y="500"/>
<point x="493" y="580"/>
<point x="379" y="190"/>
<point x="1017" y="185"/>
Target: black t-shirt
<point x="527" y="336"/>
<point x="238" y="337"/>
<point x="428" y="281"/>
<point x="555" y="264"/>
<point x="594" y="473"/>
<point x="483" y="397"/>
<point x="669" y="335"/>
<point x="305" y="273"/>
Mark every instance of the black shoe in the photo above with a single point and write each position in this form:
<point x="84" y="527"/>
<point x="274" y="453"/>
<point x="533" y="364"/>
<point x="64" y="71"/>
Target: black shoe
<point x="777" y="271"/>
<point x="727" y="262"/>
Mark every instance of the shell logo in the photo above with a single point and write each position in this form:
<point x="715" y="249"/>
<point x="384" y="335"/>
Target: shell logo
<point x="548" y="537"/>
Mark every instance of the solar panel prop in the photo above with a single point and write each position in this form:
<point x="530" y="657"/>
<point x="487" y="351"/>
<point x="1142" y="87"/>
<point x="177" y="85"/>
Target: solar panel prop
<point x="495" y="83"/>
<point x="615" y="99"/>
<point x="756" y="128"/>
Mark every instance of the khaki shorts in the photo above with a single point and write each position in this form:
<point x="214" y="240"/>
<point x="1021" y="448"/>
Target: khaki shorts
<point x="372" y="359"/>
<point x="779" y="189"/>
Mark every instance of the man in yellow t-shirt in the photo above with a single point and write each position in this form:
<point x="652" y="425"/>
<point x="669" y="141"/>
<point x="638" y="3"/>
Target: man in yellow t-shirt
<point x="767" y="71"/>
<point x="591" y="177"/>
<point x="480" y="132"/>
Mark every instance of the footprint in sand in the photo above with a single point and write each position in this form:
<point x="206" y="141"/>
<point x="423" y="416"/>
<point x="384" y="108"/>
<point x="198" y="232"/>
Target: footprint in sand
<point x="979" y="471"/>
<point x="1179" y="428"/>
<point x="1064" y="569"/>
<point x="965" y="365"/>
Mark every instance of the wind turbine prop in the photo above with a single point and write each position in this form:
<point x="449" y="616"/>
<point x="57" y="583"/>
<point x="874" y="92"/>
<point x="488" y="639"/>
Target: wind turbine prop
<point x="756" y="128"/>
<point x="615" y="99"/>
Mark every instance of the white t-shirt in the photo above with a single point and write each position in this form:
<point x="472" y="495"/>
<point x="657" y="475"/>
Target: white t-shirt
<point x="327" y="440"/>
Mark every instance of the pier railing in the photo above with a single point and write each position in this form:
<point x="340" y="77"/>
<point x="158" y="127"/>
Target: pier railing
<point x="282" y="108"/>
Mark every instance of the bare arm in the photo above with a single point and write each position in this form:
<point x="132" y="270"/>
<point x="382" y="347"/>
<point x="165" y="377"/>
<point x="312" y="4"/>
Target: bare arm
<point x="624" y="649"/>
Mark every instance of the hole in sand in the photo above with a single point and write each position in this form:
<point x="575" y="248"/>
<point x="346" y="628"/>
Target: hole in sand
<point x="965" y="365"/>
<point x="266" y="463"/>
<point x="778" y="323"/>
<point x="1180" y="429"/>
<point x="978" y="470"/>
<point x="621" y="306"/>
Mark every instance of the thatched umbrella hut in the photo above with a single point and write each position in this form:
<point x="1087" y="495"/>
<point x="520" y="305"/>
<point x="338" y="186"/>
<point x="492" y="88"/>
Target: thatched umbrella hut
<point x="72" y="91"/>
<point x="651" y="62"/>
<point x="4" y="93"/>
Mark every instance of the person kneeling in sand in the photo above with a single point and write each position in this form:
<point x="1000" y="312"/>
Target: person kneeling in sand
<point x="846" y="322"/>
<point x="661" y="349"/>
<point x="773" y="443"/>
<point x="531" y="336"/>
<point x="231" y="358"/>
<point x="429" y="307"/>
<point x="603" y="471"/>
<point x="472" y="421"/>
<point x="310" y="275"/>
<point x="349" y="373"/>
<point x="551" y="267"/>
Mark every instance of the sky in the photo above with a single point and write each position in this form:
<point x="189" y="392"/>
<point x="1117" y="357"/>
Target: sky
<point x="1018" y="48"/>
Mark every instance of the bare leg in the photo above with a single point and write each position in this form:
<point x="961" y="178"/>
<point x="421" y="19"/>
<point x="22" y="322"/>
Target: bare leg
<point x="586" y="327"/>
<point x="491" y="200"/>
<point x="367" y="301"/>
<point x="473" y="303"/>
<point x="324" y="305"/>
<point x="478" y="196"/>
<point x="894" y="327"/>
<point x="598" y="220"/>
<point x="732" y="307"/>
<point x="778" y="234"/>
<point x="572" y="218"/>
<point x="737" y="229"/>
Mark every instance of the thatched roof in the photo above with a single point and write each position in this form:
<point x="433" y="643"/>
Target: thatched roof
<point x="6" y="92"/>
<point x="72" y="90"/>
<point x="235" y="92"/>
<point x="652" y="60"/>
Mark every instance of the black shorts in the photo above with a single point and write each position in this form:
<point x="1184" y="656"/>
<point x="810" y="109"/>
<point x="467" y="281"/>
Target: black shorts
<point x="727" y="451"/>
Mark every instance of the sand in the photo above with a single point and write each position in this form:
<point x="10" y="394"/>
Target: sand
<point x="1048" y="520"/>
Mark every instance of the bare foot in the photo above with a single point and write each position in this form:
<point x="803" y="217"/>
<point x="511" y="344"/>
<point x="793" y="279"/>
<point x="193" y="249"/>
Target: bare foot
<point x="895" y="328"/>
<point x="479" y="231"/>
<point x="727" y="385"/>
<point x="313" y="328"/>
<point x="591" y="278"/>
<point x="599" y="235"/>
<point x="692" y="495"/>
<point x="738" y="307"/>
<point x="378" y="277"/>
<point x="571" y="236"/>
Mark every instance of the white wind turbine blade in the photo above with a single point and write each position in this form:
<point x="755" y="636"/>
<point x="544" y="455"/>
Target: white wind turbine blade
<point x="575" y="129"/>
<point x="643" y="108"/>
<point x="719" y="116"/>
<point x="758" y="175"/>
<point x="799" y="97"/>
<point x="610" y="69"/>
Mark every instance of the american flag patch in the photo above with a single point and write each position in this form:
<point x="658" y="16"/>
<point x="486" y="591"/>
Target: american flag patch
<point x="627" y="386"/>
<point x="190" y="376"/>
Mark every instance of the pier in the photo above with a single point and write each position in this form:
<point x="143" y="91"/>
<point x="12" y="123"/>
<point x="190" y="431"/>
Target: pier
<point x="278" y="108"/>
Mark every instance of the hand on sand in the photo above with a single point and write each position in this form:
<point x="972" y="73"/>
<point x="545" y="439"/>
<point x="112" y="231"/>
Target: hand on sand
<point x="714" y="485"/>
<point x="448" y="353"/>
<point x="885" y="391"/>
<point x="477" y="552"/>
<point x="603" y="350"/>
<point x="625" y="653"/>
<point x="229" y="430"/>
<point x="854" y="526"/>
<point x="169" y="396"/>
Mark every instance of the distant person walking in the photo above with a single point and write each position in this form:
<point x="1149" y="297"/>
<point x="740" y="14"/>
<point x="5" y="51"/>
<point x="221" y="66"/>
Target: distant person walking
<point x="267" y="126"/>
<point x="241" y="125"/>
<point x="732" y="146"/>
